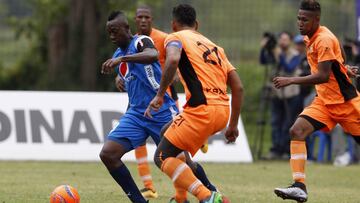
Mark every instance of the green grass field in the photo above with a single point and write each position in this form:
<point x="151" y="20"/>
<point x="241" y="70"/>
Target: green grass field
<point x="33" y="181"/>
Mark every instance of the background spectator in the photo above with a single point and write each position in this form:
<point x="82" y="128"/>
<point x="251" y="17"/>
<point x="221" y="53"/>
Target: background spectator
<point x="285" y="103"/>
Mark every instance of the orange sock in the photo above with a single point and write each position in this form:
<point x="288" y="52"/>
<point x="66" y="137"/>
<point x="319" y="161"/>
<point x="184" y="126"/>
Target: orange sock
<point x="180" y="193"/>
<point x="298" y="160"/>
<point x="143" y="167"/>
<point x="183" y="177"/>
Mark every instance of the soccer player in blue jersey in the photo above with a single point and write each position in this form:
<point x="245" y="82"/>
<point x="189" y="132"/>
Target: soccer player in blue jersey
<point x="136" y="62"/>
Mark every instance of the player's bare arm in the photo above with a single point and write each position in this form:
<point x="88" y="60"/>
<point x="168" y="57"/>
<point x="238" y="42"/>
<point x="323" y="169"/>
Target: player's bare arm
<point x="237" y="96"/>
<point x="172" y="60"/>
<point x="322" y="76"/>
<point x="147" y="56"/>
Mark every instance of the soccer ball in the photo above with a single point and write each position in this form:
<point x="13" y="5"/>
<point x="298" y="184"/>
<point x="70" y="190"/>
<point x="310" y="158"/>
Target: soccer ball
<point x="64" y="194"/>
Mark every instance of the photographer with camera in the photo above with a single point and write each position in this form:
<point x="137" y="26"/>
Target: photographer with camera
<point x="286" y="103"/>
<point x="352" y="54"/>
<point x="268" y="48"/>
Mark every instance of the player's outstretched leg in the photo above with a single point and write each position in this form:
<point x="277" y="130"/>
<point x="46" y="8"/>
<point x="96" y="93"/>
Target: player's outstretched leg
<point x="110" y="155"/>
<point x="181" y="174"/>
<point x="181" y="194"/>
<point x="199" y="172"/>
<point x="297" y="191"/>
<point x="197" y="169"/>
<point x="144" y="171"/>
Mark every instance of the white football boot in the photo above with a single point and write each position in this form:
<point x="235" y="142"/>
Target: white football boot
<point x="296" y="191"/>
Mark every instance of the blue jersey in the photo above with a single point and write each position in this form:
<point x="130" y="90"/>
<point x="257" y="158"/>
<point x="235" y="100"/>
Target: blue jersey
<point x="141" y="80"/>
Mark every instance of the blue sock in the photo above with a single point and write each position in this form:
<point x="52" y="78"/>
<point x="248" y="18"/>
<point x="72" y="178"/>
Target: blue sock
<point x="200" y="174"/>
<point x="123" y="177"/>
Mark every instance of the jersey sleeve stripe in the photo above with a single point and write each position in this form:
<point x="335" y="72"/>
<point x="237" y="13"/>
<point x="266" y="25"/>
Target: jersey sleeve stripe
<point x="175" y="43"/>
<point x="138" y="40"/>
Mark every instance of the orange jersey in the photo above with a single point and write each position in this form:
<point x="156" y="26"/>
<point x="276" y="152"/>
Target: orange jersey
<point x="324" y="46"/>
<point x="159" y="38"/>
<point x="203" y="68"/>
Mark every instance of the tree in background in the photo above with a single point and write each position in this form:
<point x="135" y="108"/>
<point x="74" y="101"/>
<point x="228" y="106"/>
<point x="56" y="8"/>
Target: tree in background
<point x="68" y="44"/>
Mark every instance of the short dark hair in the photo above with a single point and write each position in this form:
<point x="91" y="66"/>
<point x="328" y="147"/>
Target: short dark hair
<point x="115" y="14"/>
<point x="310" y="5"/>
<point x="184" y="14"/>
<point x="144" y="6"/>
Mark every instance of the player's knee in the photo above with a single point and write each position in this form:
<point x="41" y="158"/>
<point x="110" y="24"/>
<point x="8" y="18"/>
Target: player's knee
<point x="297" y="133"/>
<point x="165" y="150"/>
<point x="104" y="156"/>
<point x="161" y="154"/>
<point x="109" y="158"/>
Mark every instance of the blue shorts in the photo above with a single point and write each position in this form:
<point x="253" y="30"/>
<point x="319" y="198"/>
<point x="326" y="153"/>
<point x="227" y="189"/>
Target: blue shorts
<point x="134" y="129"/>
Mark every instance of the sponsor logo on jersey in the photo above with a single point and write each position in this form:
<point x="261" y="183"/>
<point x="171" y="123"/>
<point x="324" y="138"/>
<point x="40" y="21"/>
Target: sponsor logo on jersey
<point x="151" y="76"/>
<point x="123" y="69"/>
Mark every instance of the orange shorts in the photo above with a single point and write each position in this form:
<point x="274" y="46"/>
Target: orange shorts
<point x="192" y="128"/>
<point x="327" y="116"/>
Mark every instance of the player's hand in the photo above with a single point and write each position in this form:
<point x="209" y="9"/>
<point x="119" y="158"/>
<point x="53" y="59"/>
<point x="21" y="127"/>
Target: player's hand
<point x="231" y="134"/>
<point x="353" y="71"/>
<point x="280" y="82"/>
<point x="155" y="105"/>
<point x="108" y="66"/>
<point x="120" y="84"/>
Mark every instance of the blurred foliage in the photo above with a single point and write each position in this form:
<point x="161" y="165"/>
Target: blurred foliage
<point x="45" y="13"/>
<point x="237" y="26"/>
<point x="31" y="71"/>
<point x="3" y="10"/>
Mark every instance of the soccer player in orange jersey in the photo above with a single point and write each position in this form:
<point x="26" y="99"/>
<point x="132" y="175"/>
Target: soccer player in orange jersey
<point x="204" y="72"/>
<point x="143" y="20"/>
<point x="337" y="100"/>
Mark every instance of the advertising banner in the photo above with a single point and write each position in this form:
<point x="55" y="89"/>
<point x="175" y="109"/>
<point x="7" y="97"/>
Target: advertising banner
<point x="72" y="126"/>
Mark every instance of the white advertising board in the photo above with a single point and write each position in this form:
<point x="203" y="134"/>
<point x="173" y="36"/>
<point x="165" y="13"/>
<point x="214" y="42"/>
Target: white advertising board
<point x="71" y="126"/>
